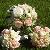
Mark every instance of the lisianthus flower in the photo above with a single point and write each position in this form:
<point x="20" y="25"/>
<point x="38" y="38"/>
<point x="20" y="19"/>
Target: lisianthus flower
<point x="18" y="23"/>
<point x="28" y="22"/>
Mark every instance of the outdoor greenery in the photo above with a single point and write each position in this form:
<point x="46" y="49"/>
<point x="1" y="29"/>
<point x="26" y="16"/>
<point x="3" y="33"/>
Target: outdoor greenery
<point x="42" y="8"/>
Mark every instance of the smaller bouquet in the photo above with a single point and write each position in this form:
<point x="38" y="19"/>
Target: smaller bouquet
<point x="23" y="14"/>
<point x="40" y="36"/>
<point x="10" y="39"/>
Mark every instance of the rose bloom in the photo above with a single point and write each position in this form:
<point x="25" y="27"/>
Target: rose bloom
<point x="25" y="7"/>
<point x="17" y="11"/>
<point x="14" y="43"/>
<point x="37" y="28"/>
<point x="18" y="23"/>
<point x="47" y="29"/>
<point x="34" y="14"/>
<point x="28" y="22"/>
<point x="5" y="31"/>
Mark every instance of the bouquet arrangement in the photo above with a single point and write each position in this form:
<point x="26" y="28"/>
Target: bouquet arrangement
<point x="25" y="17"/>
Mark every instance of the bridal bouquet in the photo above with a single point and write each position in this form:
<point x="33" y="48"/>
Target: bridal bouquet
<point x="24" y="19"/>
<point x="23" y="15"/>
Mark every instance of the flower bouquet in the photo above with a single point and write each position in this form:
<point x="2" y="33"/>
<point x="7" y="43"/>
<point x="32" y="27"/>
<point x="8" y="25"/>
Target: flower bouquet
<point x="10" y="39"/>
<point x="24" y="19"/>
<point x="40" y="37"/>
<point x="23" y="15"/>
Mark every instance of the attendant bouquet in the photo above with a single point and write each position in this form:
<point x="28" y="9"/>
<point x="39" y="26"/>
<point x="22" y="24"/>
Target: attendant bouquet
<point x="40" y="36"/>
<point x="10" y="39"/>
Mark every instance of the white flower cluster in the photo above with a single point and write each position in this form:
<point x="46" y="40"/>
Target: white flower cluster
<point x="20" y="10"/>
<point x="11" y="38"/>
<point x="23" y="15"/>
<point x="40" y="36"/>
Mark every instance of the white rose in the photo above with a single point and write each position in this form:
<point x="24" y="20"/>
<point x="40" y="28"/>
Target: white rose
<point x="28" y="14"/>
<point x="17" y="11"/>
<point x="25" y="7"/>
<point x="6" y="36"/>
<point x="34" y="14"/>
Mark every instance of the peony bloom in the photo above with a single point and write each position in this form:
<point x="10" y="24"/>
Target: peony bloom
<point x="39" y="37"/>
<point x="28" y="22"/>
<point x="18" y="23"/>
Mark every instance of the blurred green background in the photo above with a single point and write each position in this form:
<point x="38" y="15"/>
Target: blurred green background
<point x="42" y="8"/>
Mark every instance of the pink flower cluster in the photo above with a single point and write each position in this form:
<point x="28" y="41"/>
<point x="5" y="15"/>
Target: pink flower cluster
<point x="27" y="22"/>
<point x="18" y="23"/>
<point x="39" y="29"/>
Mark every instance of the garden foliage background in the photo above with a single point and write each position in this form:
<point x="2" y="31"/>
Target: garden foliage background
<point x="42" y="8"/>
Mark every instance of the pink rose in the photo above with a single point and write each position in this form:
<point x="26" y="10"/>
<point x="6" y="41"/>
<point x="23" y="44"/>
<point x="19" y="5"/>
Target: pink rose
<point x="37" y="28"/>
<point x="18" y="23"/>
<point x="14" y="43"/>
<point x="5" y="31"/>
<point x="28" y="22"/>
<point x="47" y="29"/>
